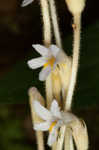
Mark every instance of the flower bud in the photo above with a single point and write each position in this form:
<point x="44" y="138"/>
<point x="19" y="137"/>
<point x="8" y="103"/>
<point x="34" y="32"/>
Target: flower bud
<point x="34" y="94"/>
<point x="75" y="6"/>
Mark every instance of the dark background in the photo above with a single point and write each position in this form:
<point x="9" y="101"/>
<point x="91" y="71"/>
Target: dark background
<point x="19" y="29"/>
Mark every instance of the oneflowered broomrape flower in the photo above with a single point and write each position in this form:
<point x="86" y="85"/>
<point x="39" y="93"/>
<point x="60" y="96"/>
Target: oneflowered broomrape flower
<point x="54" y="119"/>
<point x="26" y="2"/>
<point x="50" y="57"/>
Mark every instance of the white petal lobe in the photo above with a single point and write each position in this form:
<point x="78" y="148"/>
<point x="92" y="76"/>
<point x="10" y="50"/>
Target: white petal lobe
<point x="42" y="111"/>
<point x="44" y="73"/>
<point x="42" y="126"/>
<point x="55" y="109"/>
<point x="54" y="49"/>
<point x="36" y="62"/>
<point x="41" y="49"/>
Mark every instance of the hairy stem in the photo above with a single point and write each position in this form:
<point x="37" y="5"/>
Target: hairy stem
<point x="55" y="23"/>
<point x="68" y="145"/>
<point x="49" y="91"/>
<point x="47" y="42"/>
<point x="46" y="22"/>
<point x="76" y="47"/>
<point x="60" y="140"/>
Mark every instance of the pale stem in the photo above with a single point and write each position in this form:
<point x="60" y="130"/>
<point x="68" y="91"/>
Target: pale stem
<point x="56" y="86"/>
<point x="49" y="91"/>
<point x="61" y="138"/>
<point x="40" y="141"/>
<point x="47" y="42"/>
<point x="46" y="22"/>
<point x="55" y="23"/>
<point x="71" y="143"/>
<point x="76" y="47"/>
<point x="54" y="146"/>
<point x="35" y="95"/>
<point x="68" y="145"/>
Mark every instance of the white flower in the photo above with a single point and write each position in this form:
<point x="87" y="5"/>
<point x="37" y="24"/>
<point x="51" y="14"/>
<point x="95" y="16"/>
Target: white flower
<point x="50" y="57"/>
<point x="26" y="2"/>
<point x="54" y="119"/>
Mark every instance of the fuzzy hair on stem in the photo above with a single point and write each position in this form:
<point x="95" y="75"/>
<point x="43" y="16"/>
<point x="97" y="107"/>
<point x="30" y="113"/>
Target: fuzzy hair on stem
<point x="76" y="47"/>
<point x="46" y="22"/>
<point x="55" y="23"/>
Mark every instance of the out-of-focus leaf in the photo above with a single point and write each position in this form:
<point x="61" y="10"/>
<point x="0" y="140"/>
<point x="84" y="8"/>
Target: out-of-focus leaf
<point x="12" y="131"/>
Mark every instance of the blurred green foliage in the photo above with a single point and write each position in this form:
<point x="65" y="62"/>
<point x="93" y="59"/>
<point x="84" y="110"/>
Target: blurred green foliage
<point x="12" y="131"/>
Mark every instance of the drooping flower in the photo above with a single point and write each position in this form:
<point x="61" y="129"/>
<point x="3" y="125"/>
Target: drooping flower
<point x="50" y="57"/>
<point x="53" y="119"/>
<point x="26" y="2"/>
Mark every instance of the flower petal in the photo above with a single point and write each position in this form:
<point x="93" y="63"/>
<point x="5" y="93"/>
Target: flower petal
<point x="55" y="109"/>
<point x="36" y="62"/>
<point x="26" y="2"/>
<point x="54" y="49"/>
<point x="41" y="49"/>
<point x="52" y="137"/>
<point x="42" y="111"/>
<point x="44" y="73"/>
<point x="42" y="126"/>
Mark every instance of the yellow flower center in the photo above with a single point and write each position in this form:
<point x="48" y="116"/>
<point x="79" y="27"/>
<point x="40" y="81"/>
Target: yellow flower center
<point x="50" y="62"/>
<point x="52" y="125"/>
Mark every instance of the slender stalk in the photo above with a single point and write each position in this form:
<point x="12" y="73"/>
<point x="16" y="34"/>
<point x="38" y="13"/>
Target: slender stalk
<point x="46" y="22"/>
<point x="34" y="94"/>
<point x="61" y="138"/>
<point x="54" y="146"/>
<point x="40" y="142"/>
<point x="47" y="42"/>
<point x="56" y="86"/>
<point x="76" y="47"/>
<point x="71" y="143"/>
<point x="49" y="91"/>
<point x="55" y="23"/>
<point x="68" y="145"/>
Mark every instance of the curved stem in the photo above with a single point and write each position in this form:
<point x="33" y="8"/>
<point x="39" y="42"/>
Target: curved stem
<point x="55" y="23"/>
<point x="76" y="47"/>
<point x="46" y="22"/>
